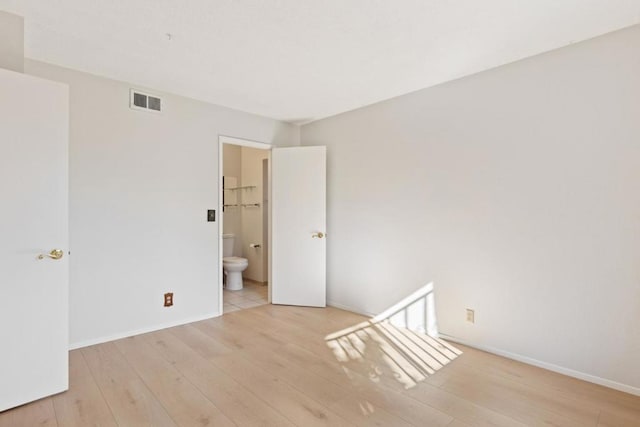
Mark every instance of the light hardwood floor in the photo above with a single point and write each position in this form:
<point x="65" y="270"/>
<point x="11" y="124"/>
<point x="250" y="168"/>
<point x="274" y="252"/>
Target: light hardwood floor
<point x="286" y="366"/>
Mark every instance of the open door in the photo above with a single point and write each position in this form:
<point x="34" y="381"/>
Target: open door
<point x="298" y="226"/>
<point x="34" y="270"/>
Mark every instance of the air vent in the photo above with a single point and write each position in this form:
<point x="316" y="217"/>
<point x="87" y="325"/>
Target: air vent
<point x="143" y="101"/>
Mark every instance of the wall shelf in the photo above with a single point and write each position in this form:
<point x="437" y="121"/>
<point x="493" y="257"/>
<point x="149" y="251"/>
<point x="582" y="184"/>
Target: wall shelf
<point x="244" y="187"/>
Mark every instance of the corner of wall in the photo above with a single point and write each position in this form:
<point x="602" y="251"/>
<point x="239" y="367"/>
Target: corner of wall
<point x="11" y="42"/>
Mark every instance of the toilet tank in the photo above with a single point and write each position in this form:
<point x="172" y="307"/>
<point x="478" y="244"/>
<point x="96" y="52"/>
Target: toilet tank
<point x="227" y="244"/>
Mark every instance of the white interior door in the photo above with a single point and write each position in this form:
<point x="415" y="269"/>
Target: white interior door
<point x="33" y="221"/>
<point x="298" y="226"/>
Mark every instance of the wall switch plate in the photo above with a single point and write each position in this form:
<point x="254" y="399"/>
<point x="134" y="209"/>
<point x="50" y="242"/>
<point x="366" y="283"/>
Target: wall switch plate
<point x="168" y="299"/>
<point x="211" y="215"/>
<point x="471" y="316"/>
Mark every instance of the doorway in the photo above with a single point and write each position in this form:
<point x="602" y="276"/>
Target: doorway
<point x="244" y="224"/>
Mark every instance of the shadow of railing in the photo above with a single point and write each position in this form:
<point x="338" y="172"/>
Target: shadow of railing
<point x="401" y="341"/>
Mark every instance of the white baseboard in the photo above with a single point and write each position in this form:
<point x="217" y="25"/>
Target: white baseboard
<point x="549" y="366"/>
<point x="127" y="334"/>
<point x="351" y="309"/>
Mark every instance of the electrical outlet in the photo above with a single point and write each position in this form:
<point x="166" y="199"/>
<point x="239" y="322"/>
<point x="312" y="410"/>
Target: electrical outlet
<point x="168" y="299"/>
<point x="471" y="316"/>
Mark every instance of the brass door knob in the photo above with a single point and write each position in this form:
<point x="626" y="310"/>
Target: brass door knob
<point x="319" y="235"/>
<point x="54" y="254"/>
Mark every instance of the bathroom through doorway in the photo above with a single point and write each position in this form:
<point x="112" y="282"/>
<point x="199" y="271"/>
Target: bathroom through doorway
<point x="244" y="224"/>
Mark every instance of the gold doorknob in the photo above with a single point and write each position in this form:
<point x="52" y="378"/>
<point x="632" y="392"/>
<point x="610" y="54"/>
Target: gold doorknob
<point x="54" y="254"/>
<point x="319" y="235"/>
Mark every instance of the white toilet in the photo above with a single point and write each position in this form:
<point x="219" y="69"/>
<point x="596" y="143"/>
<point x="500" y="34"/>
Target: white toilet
<point x="232" y="266"/>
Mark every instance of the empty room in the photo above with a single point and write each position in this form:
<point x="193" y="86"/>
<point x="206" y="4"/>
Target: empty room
<point x="320" y="213"/>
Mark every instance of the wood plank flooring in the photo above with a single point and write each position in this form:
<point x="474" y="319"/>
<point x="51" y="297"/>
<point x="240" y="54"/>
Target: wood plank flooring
<point x="294" y="366"/>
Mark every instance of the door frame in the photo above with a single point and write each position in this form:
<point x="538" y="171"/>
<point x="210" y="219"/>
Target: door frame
<point x="225" y="139"/>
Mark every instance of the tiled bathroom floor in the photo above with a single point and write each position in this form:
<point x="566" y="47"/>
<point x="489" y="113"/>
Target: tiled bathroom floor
<point x="252" y="294"/>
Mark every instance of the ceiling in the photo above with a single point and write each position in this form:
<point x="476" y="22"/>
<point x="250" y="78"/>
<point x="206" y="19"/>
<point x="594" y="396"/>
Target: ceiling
<point x="301" y="60"/>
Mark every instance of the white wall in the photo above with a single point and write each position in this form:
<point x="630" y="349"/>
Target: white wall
<point x="516" y="191"/>
<point x="140" y="186"/>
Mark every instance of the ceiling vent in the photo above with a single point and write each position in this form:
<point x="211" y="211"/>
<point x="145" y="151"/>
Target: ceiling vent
<point x="143" y="101"/>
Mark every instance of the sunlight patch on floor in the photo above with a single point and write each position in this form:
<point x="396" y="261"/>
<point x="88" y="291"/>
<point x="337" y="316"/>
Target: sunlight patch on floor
<point x="400" y="342"/>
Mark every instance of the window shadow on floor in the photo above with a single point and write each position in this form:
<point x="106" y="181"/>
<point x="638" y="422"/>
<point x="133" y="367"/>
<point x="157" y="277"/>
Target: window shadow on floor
<point x="400" y="342"/>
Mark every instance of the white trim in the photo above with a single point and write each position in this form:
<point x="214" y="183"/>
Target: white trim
<point x="224" y="139"/>
<point x="269" y="228"/>
<point x="351" y="309"/>
<point x="549" y="366"/>
<point x="220" y="219"/>
<point x="121" y="335"/>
